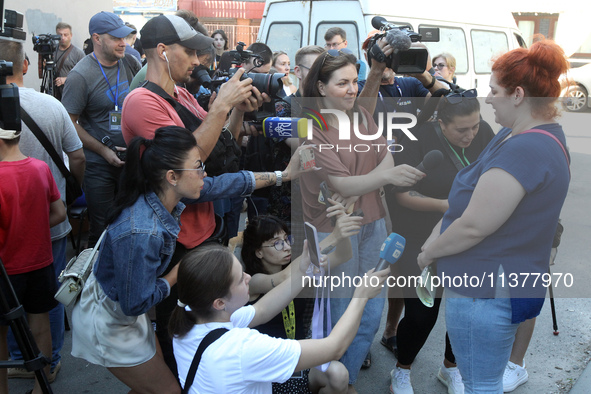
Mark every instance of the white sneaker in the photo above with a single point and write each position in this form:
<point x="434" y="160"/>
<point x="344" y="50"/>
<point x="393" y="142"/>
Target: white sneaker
<point x="451" y="378"/>
<point x="514" y="376"/>
<point x="400" y="381"/>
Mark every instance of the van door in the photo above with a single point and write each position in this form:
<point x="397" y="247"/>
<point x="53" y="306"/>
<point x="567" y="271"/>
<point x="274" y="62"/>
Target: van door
<point x="286" y="27"/>
<point x="486" y="46"/>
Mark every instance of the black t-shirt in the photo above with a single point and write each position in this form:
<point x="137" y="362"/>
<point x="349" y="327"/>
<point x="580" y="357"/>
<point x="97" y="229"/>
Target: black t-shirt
<point x="418" y="225"/>
<point x="275" y="328"/>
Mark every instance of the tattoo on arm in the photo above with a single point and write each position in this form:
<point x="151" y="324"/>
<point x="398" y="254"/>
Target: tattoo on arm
<point x="266" y="177"/>
<point x="413" y="193"/>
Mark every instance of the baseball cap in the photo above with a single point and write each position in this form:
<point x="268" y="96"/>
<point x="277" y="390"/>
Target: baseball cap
<point x="8" y="134"/>
<point x="172" y="29"/>
<point x="108" y="23"/>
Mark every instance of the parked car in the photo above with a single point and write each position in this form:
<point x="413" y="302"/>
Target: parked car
<point x="578" y="89"/>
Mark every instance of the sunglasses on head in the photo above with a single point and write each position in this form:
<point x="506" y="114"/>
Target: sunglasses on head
<point x="336" y="53"/>
<point x="456" y="98"/>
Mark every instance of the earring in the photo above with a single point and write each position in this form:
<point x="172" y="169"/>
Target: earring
<point x="174" y="184"/>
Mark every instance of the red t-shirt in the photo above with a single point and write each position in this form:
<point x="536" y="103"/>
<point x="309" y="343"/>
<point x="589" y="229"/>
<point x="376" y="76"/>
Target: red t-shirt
<point x="27" y="189"/>
<point x="343" y="161"/>
<point x="142" y="114"/>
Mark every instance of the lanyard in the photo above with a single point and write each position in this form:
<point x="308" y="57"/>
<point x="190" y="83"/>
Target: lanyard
<point x="107" y="79"/>
<point x="456" y="153"/>
<point x="289" y="322"/>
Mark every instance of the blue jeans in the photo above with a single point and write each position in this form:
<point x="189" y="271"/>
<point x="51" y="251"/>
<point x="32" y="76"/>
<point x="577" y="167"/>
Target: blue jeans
<point x="56" y="315"/>
<point x="366" y="254"/>
<point x="481" y="335"/>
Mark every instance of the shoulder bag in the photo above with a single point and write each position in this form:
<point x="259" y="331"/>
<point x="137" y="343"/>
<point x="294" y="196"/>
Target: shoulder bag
<point x="77" y="271"/>
<point x="210" y="338"/>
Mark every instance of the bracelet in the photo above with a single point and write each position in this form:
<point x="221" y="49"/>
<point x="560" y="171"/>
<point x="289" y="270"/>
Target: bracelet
<point x="433" y="80"/>
<point x="279" y="176"/>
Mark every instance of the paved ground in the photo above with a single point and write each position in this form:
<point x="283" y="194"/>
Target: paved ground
<point x="554" y="363"/>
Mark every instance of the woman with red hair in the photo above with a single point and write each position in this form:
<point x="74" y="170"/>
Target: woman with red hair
<point x="502" y="216"/>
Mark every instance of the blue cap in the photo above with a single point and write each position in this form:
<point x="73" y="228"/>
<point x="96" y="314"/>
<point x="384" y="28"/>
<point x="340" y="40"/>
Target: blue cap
<point x="108" y="23"/>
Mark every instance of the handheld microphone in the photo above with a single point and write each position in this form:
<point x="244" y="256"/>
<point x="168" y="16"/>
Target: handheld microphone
<point x="391" y="251"/>
<point x="430" y="162"/>
<point x="276" y="127"/>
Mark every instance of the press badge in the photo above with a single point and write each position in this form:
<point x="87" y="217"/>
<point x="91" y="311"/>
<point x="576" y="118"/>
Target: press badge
<point x="115" y="121"/>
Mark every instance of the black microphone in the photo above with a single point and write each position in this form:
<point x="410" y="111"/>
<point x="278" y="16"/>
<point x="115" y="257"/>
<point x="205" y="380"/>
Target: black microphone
<point x="430" y="162"/>
<point x="379" y="21"/>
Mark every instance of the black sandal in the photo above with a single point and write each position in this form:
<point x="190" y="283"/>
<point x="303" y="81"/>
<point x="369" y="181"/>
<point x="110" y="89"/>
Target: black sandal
<point x="367" y="362"/>
<point x="390" y="344"/>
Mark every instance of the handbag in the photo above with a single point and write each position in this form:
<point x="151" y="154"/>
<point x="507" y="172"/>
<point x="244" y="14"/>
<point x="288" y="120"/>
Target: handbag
<point x="73" y="189"/>
<point x="77" y="271"/>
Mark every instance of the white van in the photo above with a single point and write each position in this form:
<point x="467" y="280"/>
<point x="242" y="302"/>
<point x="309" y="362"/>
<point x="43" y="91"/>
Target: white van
<point x="471" y="33"/>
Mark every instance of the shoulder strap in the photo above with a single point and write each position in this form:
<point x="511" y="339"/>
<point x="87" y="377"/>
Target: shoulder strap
<point x="45" y="142"/>
<point x="60" y="64"/>
<point x="446" y="147"/>
<point x="190" y="120"/>
<point x="540" y="131"/>
<point x="210" y="338"/>
<point x="128" y="70"/>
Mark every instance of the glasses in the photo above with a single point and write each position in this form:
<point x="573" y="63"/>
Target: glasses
<point x="456" y="98"/>
<point x="336" y="53"/>
<point x="200" y="169"/>
<point x="333" y="45"/>
<point x="279" y="245"/>
<point x="306" y="67"/>
<point x="439" y="66"/>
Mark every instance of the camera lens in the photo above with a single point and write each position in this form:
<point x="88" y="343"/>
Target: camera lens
<point x="267" y="83"/>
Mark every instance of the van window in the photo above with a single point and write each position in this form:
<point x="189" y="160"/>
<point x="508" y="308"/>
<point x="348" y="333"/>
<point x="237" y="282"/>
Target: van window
<point x="286" y="37"/>
<point x="453" y="41"/>
<point x="486" y="45"/>
<point x="349" y="28"/>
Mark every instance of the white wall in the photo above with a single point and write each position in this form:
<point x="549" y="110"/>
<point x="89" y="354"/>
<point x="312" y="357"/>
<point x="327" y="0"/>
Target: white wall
<point x="41" y="16"/>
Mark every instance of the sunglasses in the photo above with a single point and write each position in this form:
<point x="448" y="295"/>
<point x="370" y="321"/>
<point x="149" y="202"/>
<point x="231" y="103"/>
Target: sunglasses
<point x="440" y="65"/>
<point x="456" y="98"/>
<point x="200" y="169"/>
<point x="336" y="53"/>
<point x="279" y="245"/>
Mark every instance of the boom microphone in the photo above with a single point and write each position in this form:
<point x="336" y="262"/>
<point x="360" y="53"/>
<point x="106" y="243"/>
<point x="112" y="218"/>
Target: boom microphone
<point x="398" y="40"/>
<point x="430" y="162"/>
<point x="391" y="251"/>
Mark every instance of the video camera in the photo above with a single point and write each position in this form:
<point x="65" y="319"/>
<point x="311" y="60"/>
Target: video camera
<point x="45" y="44"/>
<point x="9" y="100"/>
<point x="405" y="59"/>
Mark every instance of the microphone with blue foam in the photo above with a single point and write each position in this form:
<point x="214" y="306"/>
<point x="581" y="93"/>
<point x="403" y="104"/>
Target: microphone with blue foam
<point x="391" y="251"/>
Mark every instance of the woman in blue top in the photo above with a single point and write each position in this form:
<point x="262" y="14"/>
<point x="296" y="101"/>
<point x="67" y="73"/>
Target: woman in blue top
<point x="111" y="325"/>
<point x="502" y="216"/>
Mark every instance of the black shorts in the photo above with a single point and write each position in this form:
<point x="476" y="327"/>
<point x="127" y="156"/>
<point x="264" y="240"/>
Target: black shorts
<point x="35" y="290"/>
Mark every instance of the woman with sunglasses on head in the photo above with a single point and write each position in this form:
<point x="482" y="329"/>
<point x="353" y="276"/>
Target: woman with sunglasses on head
<point x="213" y="292"/>
<point x="111" y="326"/>
<point x="267" y="257"/>
<point x="502" y="217"/>
<point x="461" y="136"/>
<point x="357" y="175"/>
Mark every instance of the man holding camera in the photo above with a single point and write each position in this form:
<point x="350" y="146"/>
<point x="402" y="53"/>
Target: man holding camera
<point x="93" y="96"/>
<point x="66" y="57"/>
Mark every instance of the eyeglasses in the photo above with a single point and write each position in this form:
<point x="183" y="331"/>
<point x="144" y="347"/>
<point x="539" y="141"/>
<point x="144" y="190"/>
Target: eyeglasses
<point x="279" y="245"/>
<point x="333" y="45"/>
<point x="306" y="67"/>
<point x="440" y="66"/>
<point x="200" y="169"/>
<point x="456" y="98"/>
<point x="336" y="53"/>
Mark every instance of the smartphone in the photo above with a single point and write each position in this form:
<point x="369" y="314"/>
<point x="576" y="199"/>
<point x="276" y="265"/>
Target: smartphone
<point x="312" y="237"/>
<point x="323" y="197"/>
<point x="359" y="213"/>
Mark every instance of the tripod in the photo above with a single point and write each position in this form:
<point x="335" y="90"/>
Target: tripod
<point x="48" y="79"/>
<point x="14" y="313"/>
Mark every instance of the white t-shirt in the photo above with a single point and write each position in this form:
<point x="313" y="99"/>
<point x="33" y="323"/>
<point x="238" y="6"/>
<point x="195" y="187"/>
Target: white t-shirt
<point x="241" y="361"/>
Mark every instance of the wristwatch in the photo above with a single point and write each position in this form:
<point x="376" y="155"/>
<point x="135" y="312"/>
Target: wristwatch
<point x="279" y="176"/>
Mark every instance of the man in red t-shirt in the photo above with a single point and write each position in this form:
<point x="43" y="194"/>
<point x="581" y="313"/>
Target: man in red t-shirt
<point x="30" y="204"/>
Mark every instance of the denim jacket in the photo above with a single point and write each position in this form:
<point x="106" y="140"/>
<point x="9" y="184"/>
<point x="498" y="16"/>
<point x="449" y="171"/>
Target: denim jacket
<point x="236" y="184"/>
<point x="135" y="251"/>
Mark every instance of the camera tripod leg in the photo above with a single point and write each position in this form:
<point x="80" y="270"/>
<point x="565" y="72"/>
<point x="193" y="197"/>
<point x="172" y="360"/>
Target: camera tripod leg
<point x="14" y="313"/>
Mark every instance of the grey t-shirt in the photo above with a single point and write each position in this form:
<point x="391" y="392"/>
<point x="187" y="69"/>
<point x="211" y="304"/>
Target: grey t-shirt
<point x="73" y="57"/>
<point x="88" y="94"/>
<point x="52" y="118"/>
